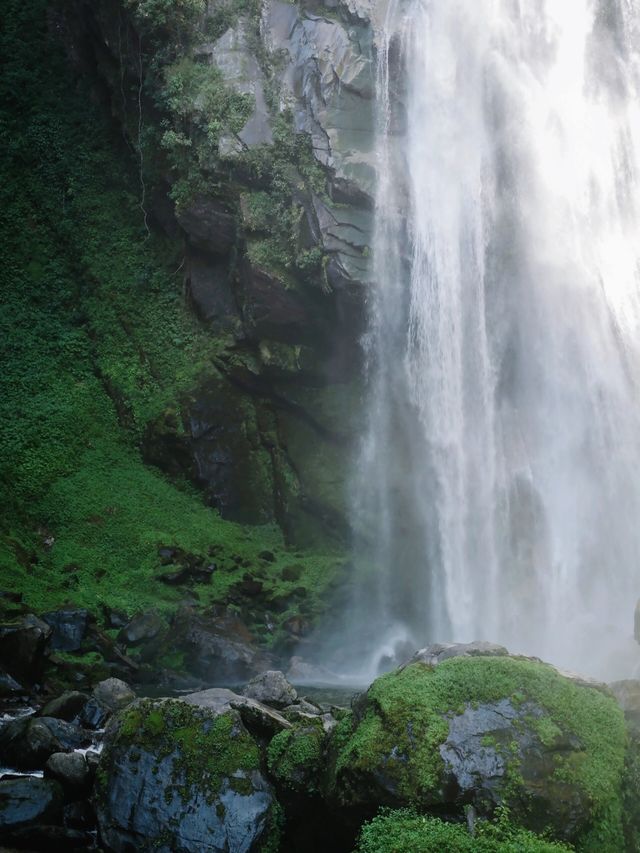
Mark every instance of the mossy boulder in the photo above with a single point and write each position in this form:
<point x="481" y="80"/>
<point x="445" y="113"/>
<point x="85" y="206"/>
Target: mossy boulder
<point x="295" y="757"/>
<point x="486" y="732"/>
<point x="178" y="777"/>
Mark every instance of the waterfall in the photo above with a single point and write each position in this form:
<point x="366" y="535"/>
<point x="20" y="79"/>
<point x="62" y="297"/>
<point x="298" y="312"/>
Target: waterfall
<point x="497" y="489"/>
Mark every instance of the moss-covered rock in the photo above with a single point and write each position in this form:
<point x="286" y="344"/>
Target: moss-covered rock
<point x="178" y="777"/>
<point x="295" y="756"/>
<point x="485" y="732"/>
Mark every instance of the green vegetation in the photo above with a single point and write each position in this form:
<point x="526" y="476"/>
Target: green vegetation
<point x="404" y="830"/>
<point x="271" y="215"/>
<point x="406" y="719"/>
<point x="206" y="751"/>
<point x="294" y="757"/>
<point x="97" y="343"/>
<point x="205" y="754"/>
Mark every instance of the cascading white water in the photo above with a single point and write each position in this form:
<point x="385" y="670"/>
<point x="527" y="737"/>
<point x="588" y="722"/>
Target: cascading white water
<point x="498" y="486"/>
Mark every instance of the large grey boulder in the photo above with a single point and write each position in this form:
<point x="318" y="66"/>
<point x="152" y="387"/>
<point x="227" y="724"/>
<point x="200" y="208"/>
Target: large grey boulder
<point x="257" y="717"/>
<point x="71" y="770"/>
<point x="174" y="776"/>
<point x="218" y="646"/>
<point x="113" y="693"/>
<point x="271" y="688"/>
<point x="27" y="801"/>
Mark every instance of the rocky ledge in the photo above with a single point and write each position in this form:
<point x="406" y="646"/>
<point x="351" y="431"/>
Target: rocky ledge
<point x="451" y="742"/>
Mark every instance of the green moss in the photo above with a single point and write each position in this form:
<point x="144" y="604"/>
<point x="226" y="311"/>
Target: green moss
<point x="206" y="751"/>
<point x="406" y="719"/>
<point x="294" y="757"/>
<point x="403" y="830"/>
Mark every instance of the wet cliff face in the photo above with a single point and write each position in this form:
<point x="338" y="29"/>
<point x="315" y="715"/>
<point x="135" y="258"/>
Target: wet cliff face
<point x="252" y="124"/>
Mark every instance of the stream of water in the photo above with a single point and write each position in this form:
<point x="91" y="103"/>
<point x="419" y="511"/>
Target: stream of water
<point x="497" y="493"/>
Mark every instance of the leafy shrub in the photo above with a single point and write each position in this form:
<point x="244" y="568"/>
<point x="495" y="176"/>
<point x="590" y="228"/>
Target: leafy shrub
<point x="404" y="831"/>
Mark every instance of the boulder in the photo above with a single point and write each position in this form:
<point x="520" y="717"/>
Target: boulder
<point x="71" y="770"/>
<point x="27" y="743"/>
<point x="218" y="647"/>
<point x="9" y="686"/>
<point x="258" y="718"/>
<point x="181" y="777"/>
<point x="94" y="715"/>
<point x="143" y="626"/>
<point x="295" y="757"/>
<point x="22" y="648"/>
<point x="25" y="801"/>
<point x="68" y="629"/>
<point x="108" y="696"/>
<point x="271" y="688"/>
<point x="484" y="730"/>
<point x="65" y="707"/>
<point x="114" y="694"/>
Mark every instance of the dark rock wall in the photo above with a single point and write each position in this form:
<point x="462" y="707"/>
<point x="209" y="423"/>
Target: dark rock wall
<point x="274" y="211"/>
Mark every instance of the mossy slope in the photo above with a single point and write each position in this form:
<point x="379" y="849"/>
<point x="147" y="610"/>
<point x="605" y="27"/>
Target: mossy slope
<point x="97" y="343"/>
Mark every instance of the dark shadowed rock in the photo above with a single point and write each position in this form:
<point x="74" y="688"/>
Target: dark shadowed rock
<point x="94" y="715"/>
<point x="9" y="686"/>
<point x="143" y="626"/>
<point x="22" y="648"/>
<point x="79" y="815"/>
<point x="28" y="801"/>
<point x="178" y="777"/>
<point x="71" y="770"/>
<point x="27" y="743"/>
<point x="65" y="707"/>
<point x="218" y="647"/>
<point x="272" y="310"/>
<point x="108" y="696"/>
<point x="271" y="688"/>
<point x="209" y="225"/>
<point x="68" y="629"/>
<point x="50" y="838"/>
